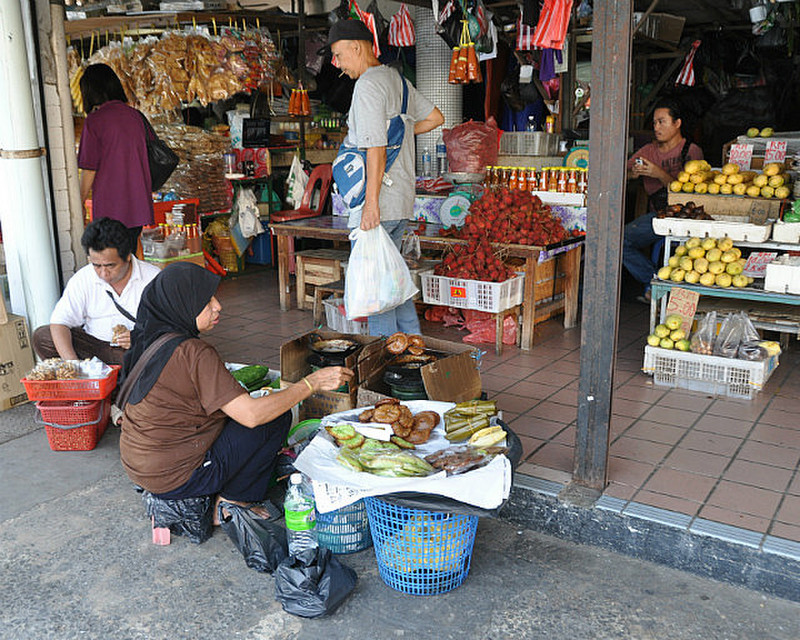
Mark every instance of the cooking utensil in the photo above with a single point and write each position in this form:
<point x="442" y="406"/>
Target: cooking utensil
<point x="338" y="346"/>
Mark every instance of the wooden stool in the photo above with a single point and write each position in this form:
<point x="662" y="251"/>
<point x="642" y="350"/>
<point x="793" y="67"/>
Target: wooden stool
<point x="335" y="288"/>
<point x="315" y="267"/>
<point x="500" y="317"/>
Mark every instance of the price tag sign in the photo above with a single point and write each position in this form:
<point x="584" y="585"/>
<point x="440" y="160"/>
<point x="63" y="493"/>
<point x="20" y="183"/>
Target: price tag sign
<point x="683" y="302"/>
<point x="741" y="154"/>
<point x="775" y="152"/>
<point x="756" y="266"/>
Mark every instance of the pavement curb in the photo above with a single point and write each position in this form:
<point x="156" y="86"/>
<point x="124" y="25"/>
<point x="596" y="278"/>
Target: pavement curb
<point x="722" y="552"/>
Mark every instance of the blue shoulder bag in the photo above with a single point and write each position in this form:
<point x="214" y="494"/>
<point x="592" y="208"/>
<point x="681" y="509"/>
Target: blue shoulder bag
<point x="350" y="166"/>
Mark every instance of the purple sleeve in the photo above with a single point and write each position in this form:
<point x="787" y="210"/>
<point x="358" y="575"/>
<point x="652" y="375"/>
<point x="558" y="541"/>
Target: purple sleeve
<point x="89" y="151"/>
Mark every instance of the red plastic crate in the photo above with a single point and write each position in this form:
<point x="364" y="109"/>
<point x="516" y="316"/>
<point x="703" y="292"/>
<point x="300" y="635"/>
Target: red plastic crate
<point x="75" y="426"/>
<point x="79" y="389"/>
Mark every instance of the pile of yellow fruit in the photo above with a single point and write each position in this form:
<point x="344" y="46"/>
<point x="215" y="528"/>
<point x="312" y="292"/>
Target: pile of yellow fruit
<point x="698" y="177"/>
<point x="669" y="335"/>
<point x="707" y="261"/>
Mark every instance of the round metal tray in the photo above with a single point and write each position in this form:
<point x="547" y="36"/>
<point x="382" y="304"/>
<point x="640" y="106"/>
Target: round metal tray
<point x="463" y="176"/>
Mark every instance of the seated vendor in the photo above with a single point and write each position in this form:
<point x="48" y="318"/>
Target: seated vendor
<point x="98" y="308"/>
<point x="189" y="429"/>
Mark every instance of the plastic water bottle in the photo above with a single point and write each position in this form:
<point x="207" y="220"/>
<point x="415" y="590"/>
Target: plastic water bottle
<point x="426" y="163"/>
<point x="441" y="156"/>
<point x="301" y="516"/>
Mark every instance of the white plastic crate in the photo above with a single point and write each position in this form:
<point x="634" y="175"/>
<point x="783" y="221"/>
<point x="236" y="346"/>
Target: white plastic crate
<point x="707" y="374"/>
<point x="786" y="232"/>
<point x="338" y="322"/>
<point x="472" y="294"/>
<point x="736" y="231"/>
<point x="782" y="278"/>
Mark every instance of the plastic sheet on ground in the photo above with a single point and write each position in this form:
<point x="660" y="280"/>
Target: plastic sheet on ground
<point x="335" y="486"/>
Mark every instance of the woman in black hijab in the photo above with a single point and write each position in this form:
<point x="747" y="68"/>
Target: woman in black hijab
<point x="189" y="429"/>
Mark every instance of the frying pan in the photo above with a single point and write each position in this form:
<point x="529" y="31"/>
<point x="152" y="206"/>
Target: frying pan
<point x="336" y="346"/>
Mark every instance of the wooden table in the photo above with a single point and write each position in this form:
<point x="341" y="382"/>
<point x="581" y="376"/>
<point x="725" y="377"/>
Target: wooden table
<point x="335" y="228"/>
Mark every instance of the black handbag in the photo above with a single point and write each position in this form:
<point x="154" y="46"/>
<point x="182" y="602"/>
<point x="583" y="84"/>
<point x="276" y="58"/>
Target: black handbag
<point x="161" y="158"/>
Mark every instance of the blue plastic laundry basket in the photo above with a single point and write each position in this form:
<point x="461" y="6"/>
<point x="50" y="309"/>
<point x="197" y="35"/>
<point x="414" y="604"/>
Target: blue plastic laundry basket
<point x="344" y="530"/>
<point x="420" y="552"/>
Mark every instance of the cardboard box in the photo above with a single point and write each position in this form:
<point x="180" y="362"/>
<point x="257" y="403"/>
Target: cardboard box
<point x="196" y="258"/>
<point x="756" y="210"/>
<point x="454" y="378"/>
<point x="16" y="359"/>
<point x="294" y="366"/>
<point x="660" y="26"/>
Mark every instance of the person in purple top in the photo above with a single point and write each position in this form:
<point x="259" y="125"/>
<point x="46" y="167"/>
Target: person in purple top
<point x="113" y="153"/>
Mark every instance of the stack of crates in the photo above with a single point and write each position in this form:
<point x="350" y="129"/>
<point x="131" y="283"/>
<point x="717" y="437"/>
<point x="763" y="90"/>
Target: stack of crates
<point x="74" y="412"/>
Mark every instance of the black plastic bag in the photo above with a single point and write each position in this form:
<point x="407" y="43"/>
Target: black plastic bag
<point x="261" y="542"/>
<point x="313" y="584"/>
<point x="190" y="517"/>
<point x="450" y="28"/>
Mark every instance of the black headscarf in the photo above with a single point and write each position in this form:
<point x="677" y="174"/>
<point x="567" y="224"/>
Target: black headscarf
<point x="170" y="303"/>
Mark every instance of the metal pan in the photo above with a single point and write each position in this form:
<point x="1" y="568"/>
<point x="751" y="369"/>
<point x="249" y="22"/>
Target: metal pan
<point x="341" y="347"/>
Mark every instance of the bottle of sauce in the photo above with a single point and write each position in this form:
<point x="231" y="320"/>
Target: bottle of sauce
<point x="561" y="183"/>
<point x="572" y="181"/>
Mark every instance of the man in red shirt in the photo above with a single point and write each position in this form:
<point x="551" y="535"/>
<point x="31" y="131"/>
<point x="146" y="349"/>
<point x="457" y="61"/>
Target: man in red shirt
<point x="657" y="163"/>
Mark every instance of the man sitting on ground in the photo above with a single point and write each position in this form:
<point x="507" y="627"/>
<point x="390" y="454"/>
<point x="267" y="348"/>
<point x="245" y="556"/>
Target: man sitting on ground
<point x="97" y="311"/>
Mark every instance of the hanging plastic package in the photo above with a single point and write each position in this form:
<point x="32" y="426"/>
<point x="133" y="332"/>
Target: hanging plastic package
<point x="313" y="584"/>
<point x="401" y="29"/>
<point x="261" y="542"/>
<point x="296" y="183"/>
<point x="244" y="223"/>
<point x="378" y="278"/>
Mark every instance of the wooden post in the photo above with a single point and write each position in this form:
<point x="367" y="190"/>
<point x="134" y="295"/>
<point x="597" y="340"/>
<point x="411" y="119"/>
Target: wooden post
<point x="611" y="61"/>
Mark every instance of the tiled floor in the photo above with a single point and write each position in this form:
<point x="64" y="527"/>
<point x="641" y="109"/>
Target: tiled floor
<point x="715" y="460"/>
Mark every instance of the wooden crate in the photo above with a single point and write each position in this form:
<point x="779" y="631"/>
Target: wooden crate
<point x="549" y="288"/>
<point x="317" y="266"/>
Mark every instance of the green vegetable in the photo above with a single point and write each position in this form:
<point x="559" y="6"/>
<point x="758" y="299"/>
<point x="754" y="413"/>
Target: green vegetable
<point x="251" y="376"/>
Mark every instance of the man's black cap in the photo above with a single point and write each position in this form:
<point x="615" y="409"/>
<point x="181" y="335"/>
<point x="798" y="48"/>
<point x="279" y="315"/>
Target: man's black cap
<point x="346" y="30"/>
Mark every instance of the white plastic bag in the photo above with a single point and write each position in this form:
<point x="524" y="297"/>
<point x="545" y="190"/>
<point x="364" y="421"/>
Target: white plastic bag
<point x="377" y="278"/>
<point x="245" y="211"/>
<point x="296" y="183"/>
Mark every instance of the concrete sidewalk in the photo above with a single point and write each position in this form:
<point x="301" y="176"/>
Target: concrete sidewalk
<point x="76" y="562"/>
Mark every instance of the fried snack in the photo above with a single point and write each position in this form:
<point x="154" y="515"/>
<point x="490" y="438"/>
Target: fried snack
<point x="426" y="420"/>
<point x="116" y="331"/>
<point x="406" y="418"/>
<point x="419" y="435"/>
<point x="386" y="414"/>
<point x="397" y="343"/>
<point x="41" y="372"/>
<point x="380" y="403"/>
<point x="366" y="415"/>
<point x="416" y="345"/>
<point x="401" y="431"/>
<point x="67" y="371"/>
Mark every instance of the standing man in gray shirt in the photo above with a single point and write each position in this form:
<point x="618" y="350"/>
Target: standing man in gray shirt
<point x="377" y="97"/>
